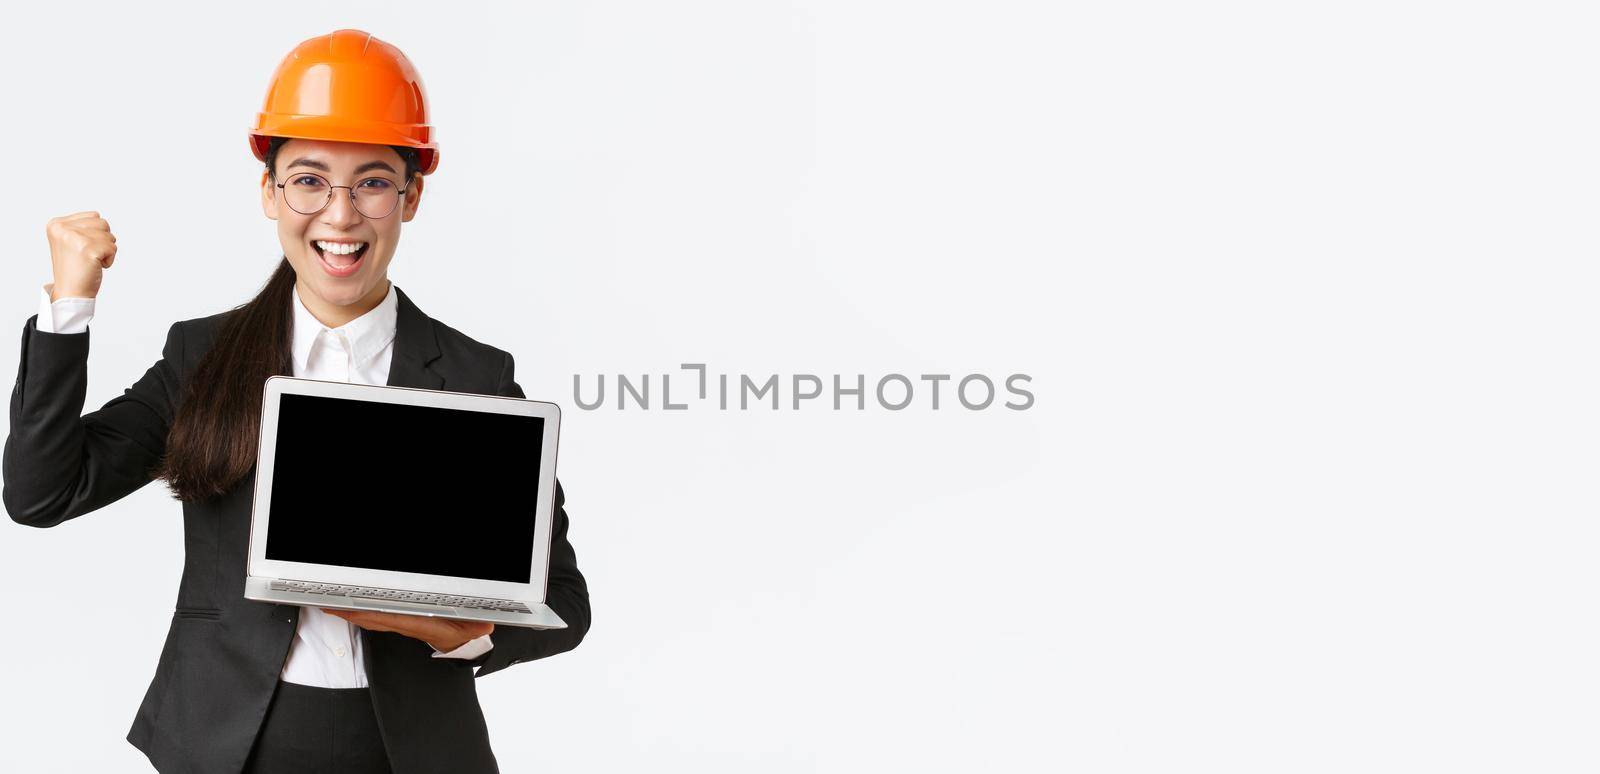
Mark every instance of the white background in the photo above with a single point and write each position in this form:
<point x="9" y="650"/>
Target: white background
<point x="1306" y="291"/>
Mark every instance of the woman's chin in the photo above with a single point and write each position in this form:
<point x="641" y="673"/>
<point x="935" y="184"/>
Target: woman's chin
<point x="341" y="293"/>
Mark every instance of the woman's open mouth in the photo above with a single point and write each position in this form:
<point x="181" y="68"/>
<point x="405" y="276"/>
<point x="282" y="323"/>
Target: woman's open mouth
<point x="340" y="259"/>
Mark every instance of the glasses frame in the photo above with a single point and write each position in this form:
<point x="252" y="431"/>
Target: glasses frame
<point x="400" y="194"/>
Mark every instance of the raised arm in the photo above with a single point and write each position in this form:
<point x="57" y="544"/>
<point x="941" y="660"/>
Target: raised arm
<point x="58" y="465"/>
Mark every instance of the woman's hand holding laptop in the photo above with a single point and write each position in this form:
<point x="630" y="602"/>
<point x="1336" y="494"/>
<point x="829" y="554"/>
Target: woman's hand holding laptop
<point x="441" y="634"/>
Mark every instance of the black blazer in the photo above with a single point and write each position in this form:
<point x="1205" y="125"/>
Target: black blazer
<point x="223" y="653"/>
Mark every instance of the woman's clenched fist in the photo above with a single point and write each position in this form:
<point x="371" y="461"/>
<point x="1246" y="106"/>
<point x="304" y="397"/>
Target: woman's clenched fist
<point x="81" y="248"/>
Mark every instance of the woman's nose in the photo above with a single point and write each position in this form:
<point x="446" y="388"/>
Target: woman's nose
<point x="341" y="211"/>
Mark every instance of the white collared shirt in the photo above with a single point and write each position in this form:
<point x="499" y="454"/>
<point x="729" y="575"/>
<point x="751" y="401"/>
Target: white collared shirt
<point x="326" y="651"/>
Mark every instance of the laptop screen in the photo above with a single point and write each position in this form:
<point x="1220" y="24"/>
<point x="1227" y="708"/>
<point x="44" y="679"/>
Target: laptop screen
<point x="404" y="488"/>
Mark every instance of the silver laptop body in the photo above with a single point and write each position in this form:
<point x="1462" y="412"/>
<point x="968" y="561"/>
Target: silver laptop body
<point x="404" y="500"/>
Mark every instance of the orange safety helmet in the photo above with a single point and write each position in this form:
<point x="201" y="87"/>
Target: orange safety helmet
<point x="347" y="86"/>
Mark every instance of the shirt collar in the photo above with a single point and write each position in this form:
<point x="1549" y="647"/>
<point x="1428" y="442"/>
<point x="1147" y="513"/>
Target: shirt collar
<point x="367" y="334"/>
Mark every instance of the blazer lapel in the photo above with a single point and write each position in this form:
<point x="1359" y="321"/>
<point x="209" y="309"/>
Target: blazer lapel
<point x="414" y="347"/>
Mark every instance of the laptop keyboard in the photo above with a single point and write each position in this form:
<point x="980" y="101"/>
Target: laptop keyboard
<point x="365" y="592"/>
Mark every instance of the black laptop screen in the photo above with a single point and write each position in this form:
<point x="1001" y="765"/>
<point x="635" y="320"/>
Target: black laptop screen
<point x="404" y="488"/>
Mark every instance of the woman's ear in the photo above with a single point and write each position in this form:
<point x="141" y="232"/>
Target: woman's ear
<point x="269" y="196"/>
<point x="413" y="199"/>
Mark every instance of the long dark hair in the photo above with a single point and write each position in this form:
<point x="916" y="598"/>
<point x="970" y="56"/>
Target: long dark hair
<point x="214" y="436"/>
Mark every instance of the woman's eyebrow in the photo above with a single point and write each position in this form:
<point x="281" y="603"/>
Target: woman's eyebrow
<point x="374" y="165"/>
<point x="314" y="164"/>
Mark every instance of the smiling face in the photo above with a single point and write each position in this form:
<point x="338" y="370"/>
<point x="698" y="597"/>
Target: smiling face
<point x="340" y="256"/>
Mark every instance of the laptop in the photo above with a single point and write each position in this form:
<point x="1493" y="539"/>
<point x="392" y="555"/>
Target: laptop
<point x="404" y="500"/>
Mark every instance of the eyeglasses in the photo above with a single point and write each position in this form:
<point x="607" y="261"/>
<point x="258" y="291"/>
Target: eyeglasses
<point x="373" y="197"/>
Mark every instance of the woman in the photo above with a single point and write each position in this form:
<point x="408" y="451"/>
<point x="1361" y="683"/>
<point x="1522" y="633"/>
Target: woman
<point x="243" y="685"/>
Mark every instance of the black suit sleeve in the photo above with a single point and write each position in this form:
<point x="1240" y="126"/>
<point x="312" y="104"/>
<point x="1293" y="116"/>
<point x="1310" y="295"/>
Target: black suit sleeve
<point x="567" y="594"/>
<point x="58" y="465"/>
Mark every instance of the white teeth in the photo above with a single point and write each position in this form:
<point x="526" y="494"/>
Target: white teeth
<point x="340" y="248"/>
